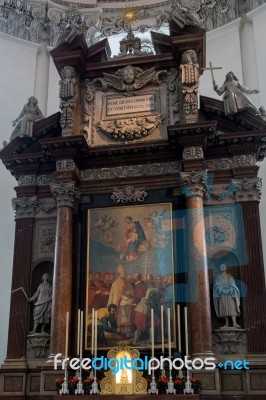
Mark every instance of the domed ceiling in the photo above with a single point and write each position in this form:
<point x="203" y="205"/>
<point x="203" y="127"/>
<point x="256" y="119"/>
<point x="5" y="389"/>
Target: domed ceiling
<point x="43" y="21"/>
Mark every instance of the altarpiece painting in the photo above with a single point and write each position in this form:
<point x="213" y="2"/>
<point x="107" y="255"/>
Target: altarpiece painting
<point x="129" y="265"/>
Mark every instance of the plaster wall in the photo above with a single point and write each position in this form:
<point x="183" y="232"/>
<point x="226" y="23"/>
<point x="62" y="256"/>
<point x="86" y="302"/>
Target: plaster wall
<point x="18" y="73"/>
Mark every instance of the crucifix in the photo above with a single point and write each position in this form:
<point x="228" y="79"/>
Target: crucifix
<point x="211" y="69"/>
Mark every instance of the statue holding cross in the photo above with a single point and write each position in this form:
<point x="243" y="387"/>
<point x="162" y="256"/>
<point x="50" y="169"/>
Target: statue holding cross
<point x="234" y="94"/>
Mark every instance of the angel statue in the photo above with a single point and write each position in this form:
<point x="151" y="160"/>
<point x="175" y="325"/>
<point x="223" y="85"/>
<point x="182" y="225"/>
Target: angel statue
<point x="130" y="79"/>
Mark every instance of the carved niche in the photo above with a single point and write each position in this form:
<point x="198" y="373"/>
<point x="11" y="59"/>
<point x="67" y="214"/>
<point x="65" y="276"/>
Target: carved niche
<point x="130" y="105"/>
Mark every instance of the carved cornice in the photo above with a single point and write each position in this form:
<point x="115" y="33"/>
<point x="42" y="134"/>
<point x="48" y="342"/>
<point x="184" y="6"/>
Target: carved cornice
<point x="221" y="164"/>
<point x="44" y="180"/>
<point x="27" y="180"/>
<point x="128" y="194"/>
<point x="130" y="171"/>
<point x="65" y="194"/>
<point x="194" y="183"/>
<point x="25" y="207"/>
<point x="249" y="189"/>
<point x="37" y="22"/>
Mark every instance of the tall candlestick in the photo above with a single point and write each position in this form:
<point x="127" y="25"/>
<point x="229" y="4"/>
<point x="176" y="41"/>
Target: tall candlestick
<point x="162" y="328"/>
<point x="169" y="332"/>
<point x="78" y="334"/>
<point x="186" y="331"/>
<point x="96" y="327"/>
<point x="152" y="333"/>
<point x="92" y="332"/>
<point x="67" y="333"/>
<point x="81" y="334"/>
<point x="179" y="327"/>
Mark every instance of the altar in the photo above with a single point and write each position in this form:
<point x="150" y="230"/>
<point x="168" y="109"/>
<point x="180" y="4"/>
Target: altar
<point x="137" y="220"/>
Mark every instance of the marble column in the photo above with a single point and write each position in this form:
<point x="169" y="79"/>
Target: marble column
<point x="65" y="195"/>
<point x="18" y="318"/>
<point x="252" y="274"/>
<point x="249" y="57"/>
<point x="41" y="83"/>
<point x="193" y="187"/>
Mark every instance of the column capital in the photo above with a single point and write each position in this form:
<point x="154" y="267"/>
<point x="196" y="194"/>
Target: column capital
<point x="194" y="183"/>
<point x="65" y="194"/>
<point x="25" y="207"/>
<point x="248" y="189"/>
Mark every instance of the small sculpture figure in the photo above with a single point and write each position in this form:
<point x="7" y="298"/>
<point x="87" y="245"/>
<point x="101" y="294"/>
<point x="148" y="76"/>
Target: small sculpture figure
<point x="68" y="94"/>
<point x="226" y="297"/>
<point x="182" y="17"/>
<point x="130" y="79"/>
<point x="71" y="30"/>
<point x="24" y="122"/>
<point x="235" y="95"/>
<point x="42" y="305"/>
<point x="262" y="113"/>
<point x="189" y="83"/>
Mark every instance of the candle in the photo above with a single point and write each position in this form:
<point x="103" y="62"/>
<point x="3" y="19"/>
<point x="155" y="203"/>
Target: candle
<point x="81" y="334"/>
<point x="92" y="332"/>
<point x="67" y="333"/>
<point x="179" y="327"/>
<point x="152" y="333"/>
<point x="162" y="328"/>
<point x="169" y="332"/>
<point x="95" y="338"/>
<point x="186" y="331"/>
<point x="78" y="334"/>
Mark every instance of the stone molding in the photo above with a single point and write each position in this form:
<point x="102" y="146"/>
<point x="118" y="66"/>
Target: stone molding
<point x="25" y="207"/>
<point x="65" y="194"/>
<point x="31" y="180"/>
<point x="194" y="183"/>
<point x="27" y="180"/>
<point x="130" y="171"/>
<point x="248" y="189"/>
<point x="35" y="22"/>
<point x="229" y="163"/>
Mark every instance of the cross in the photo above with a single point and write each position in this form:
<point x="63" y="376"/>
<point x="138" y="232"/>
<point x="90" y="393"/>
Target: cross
<point x="211" y="69"/>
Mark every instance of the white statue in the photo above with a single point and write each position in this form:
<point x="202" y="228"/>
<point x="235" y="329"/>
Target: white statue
<point x="43" y="303"/>
<point x="235" y="95"/>
<point x="226" y="297"/>
<point x="24" y="122"/>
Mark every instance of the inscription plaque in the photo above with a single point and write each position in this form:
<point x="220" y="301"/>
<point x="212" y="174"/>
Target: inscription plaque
<point x="132" y="104"/>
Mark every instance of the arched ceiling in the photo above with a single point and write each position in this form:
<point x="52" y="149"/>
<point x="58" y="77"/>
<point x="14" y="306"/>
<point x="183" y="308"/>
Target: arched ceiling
<point x="44" y="20"/>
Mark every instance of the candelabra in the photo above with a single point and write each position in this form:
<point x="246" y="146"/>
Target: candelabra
<point x="64" y="388"/>
<point x="79" y="389"/>
<point x="170" y="385"/>
<point x="153" y="385"/>
<point x="94" y="386"/>
<point x="188" y="389"/>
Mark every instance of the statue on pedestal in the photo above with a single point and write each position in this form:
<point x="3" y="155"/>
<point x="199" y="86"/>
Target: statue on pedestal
<point x="235" y="95"/>
<point x="24" y="122"/>
<point x="42" y="305"/>
<point x="226" y="297"/>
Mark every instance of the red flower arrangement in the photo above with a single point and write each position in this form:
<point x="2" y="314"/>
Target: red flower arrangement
<point x="58" y="383"/>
